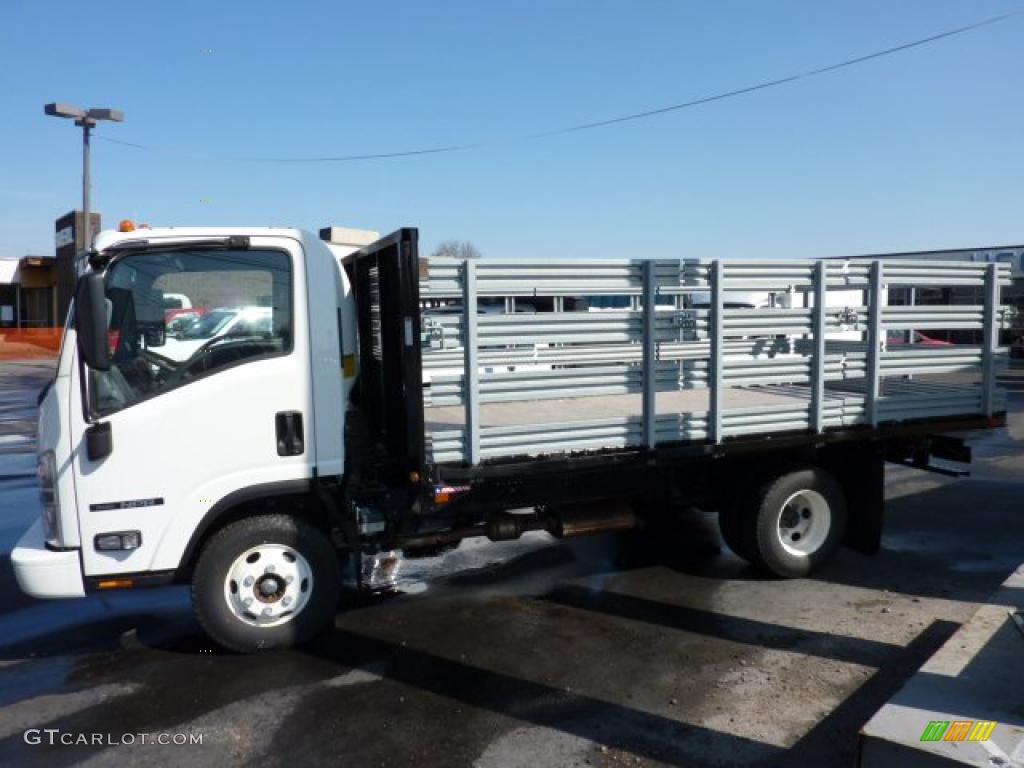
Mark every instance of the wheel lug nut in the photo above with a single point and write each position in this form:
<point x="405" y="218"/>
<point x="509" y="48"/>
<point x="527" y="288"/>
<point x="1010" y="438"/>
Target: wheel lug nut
<point x="286" y="602"/>
<point x="270" y="568"/>
<point x="247" y="602"/>
<point x="289" y="579"/>
<point x="248" y="581"/>
<point x="267" y="612"/>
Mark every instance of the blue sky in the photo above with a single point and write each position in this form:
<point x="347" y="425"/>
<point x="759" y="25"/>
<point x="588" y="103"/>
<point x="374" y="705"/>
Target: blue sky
<point x="924" y="149"/>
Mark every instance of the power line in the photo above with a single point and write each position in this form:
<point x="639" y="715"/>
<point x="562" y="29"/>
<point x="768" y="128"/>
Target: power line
<point x="326" y="159"/>
<point x="764" y="85"/>
<point x="125" y="143"/>
<point x="782" y="80"/>
<point x="375" y="156"/>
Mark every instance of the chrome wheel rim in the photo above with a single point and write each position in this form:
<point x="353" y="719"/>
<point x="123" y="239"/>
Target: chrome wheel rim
<point x="804" y="522"/>
<point x="268" y="585"/>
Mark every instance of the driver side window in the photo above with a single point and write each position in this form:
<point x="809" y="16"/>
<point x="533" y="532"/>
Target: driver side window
<point x="175" y="316"/>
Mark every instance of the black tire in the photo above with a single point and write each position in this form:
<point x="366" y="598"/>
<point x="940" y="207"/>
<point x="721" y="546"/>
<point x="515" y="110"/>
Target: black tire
<point x="737" y="529"/>
<point x="220" y="553"/>
<point x="762" y="528"/>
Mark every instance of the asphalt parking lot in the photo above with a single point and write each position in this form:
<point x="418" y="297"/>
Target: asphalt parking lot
<point x="531" y="653"/>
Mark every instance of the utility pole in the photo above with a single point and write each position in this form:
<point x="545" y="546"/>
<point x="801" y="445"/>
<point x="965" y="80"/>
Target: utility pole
<point x="85" y="119"/>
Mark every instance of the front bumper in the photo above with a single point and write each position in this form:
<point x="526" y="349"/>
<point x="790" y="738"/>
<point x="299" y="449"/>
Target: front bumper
<point x="43" y="572"/>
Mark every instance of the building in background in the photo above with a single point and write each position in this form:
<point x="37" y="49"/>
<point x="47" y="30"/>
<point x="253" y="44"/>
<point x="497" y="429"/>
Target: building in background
<point x="69" y="241"/>
<point x="28" y="292"/>
<point x="1012" y="295"/>
<point x="1001" y="254"/>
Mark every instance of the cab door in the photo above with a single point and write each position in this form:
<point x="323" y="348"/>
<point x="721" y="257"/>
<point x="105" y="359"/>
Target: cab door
<point x="216" y="407"/>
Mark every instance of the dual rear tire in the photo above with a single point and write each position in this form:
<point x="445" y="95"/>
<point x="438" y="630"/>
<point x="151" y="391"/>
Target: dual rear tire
<point x="791" y="525"/>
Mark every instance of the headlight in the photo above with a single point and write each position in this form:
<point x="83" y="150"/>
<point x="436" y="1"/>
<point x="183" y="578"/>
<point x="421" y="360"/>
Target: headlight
<point x="48" y="497"/>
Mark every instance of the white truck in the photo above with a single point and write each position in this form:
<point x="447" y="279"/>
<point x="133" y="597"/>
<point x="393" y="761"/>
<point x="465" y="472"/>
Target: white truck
<point x="265" y="462"/>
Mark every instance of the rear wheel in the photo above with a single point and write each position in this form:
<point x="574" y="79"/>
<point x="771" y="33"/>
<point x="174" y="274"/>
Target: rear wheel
<point x="265" y="582"/>
<point x="791" y="525"/>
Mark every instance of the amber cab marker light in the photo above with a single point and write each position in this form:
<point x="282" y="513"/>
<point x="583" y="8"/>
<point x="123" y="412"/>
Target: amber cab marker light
<point x="126" y="225"/>
<point x="115" y="583"/>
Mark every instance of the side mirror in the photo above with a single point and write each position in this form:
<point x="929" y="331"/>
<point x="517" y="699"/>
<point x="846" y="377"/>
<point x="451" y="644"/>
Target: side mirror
<point x="91" y="322"/>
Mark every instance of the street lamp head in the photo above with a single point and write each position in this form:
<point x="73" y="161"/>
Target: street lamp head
<point x="59" y="109"/>
<point x="114" y="115"/>
<point x="90" y="116"/>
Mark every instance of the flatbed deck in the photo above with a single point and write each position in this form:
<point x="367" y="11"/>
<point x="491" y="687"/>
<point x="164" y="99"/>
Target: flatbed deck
<point x="569" y="409"/>
<point x="538" y="427"/>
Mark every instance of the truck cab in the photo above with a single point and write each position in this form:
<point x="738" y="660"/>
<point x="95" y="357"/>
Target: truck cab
<point x="145" y="446"/>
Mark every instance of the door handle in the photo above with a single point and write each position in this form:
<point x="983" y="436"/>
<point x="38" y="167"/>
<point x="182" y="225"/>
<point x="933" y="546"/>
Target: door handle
<point x="289" y="433"/>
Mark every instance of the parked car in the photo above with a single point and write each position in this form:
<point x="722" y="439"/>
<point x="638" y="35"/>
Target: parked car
<point x="916" y="337"/>
<point x="177" y="301"/>
<point x="179" y="320"/>
<point x="224" y="321"/>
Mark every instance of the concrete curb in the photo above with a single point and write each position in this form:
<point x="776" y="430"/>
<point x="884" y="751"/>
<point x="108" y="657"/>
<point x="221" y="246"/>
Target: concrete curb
<point x="978" y="675"/>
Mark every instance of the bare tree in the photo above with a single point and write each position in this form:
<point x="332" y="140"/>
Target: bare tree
<point x="456" y="249"/>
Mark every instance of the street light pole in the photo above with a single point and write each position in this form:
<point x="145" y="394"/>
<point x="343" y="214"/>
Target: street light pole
<point x="86" y="181"/>
<point x="86" y="119"/>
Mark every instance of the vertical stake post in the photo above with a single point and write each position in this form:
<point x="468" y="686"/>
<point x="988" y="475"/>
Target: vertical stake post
<point x="717" y="399"/>
<point x="875" y="342"/>
<point x="818" y="335"/>
<point x="471" y="375"/>
<point x="991" y="340"/>
<point x="649" y="352"/>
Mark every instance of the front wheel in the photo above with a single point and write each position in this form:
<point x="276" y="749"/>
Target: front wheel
<point x="265" y="582"/>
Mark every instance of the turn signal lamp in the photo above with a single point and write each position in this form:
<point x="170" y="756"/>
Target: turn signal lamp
<point x="116" y="584"/>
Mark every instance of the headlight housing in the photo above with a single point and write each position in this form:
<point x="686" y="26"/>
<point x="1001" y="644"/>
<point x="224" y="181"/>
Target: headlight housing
<point x="47" y="472"/>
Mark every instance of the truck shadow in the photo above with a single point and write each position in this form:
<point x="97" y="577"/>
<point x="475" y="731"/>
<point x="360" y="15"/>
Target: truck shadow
<point x="613" y="725"/>
<point x="735" y="629"/>
<point x="617" y="725"/>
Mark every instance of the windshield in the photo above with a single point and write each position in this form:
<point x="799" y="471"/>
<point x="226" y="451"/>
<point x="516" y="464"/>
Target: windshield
<point x="239" y="311"/>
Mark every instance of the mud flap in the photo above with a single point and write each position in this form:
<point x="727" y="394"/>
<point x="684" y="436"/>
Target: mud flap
<point x="863" y="477"/>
